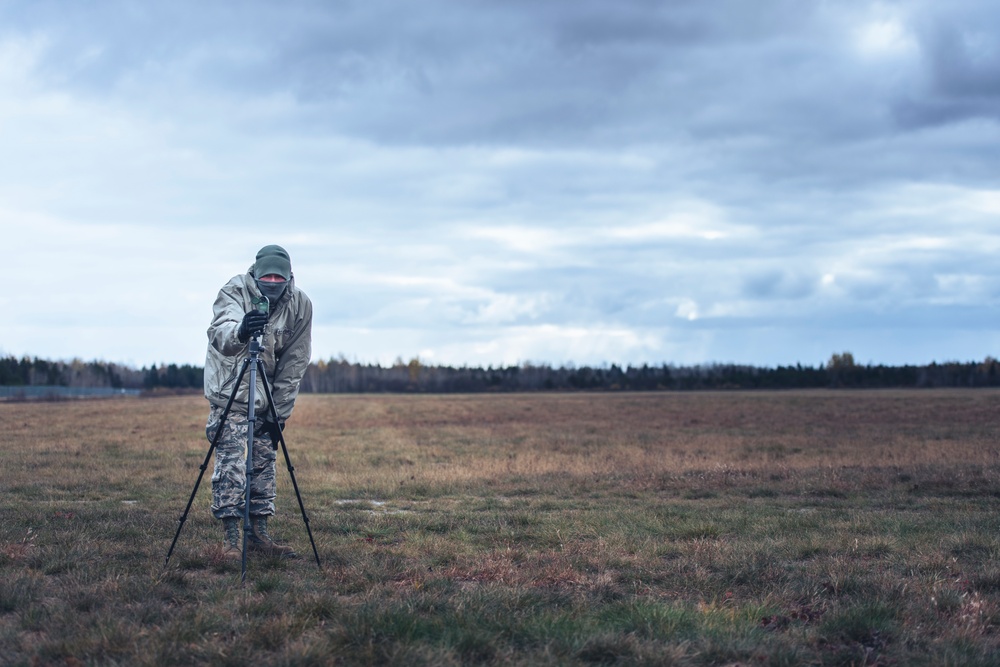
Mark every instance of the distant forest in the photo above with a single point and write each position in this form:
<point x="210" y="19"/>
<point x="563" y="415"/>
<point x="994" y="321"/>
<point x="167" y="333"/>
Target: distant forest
<point x="414" y="376"/>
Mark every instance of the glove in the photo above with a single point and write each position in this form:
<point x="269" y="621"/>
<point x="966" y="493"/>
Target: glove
<point x="253" y="323"/>
<point x="274" y="430"/>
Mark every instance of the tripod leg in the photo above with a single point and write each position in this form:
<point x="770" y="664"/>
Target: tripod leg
<point x="288" y="464"/>
<point x="254" y="362"/>
<point x="302" y="508"/>
<point x="187" y="509"/>
<point x="204" y="465"/>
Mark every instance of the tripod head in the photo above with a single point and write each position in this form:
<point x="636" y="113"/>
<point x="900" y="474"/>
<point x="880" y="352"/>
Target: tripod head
<point x="255" y="344"/>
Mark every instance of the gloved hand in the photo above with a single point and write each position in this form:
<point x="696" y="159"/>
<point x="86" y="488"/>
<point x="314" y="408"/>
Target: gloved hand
<point x="274" y="430"/>
<point x="253" y="322"/>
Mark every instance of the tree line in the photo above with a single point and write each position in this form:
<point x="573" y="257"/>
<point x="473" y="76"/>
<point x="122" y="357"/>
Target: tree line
<point x="28" y="371"/>
<point x="415" y="376"/>
<point x="841" y="371"/>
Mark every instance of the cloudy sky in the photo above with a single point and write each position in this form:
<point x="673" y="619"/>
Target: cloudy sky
<point x="501" y="181"/>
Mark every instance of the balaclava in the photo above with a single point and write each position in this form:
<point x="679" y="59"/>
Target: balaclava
<point x="272" y="259"/>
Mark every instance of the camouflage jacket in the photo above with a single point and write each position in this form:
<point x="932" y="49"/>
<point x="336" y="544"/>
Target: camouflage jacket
<point x="286" y="346"/>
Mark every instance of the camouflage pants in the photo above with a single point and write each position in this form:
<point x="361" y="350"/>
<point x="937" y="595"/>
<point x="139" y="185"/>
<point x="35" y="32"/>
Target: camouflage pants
<point x="229" y="476"/>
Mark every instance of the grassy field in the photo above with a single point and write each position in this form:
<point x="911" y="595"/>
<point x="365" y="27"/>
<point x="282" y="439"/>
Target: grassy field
<point x="793" y="528"/>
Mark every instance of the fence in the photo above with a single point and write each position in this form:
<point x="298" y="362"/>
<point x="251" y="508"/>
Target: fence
<point x="43" y="392"/>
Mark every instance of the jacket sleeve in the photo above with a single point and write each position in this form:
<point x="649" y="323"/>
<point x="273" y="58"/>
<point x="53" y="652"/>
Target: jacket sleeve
<point x="227" y="314"/>
<point x="293" y="361"/>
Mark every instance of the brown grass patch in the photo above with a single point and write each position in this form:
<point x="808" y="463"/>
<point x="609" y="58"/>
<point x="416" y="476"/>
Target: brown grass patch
<point x="813" y="527"/>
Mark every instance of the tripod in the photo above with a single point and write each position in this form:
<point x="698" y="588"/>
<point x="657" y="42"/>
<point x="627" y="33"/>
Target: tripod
<point x="255" y="364"/>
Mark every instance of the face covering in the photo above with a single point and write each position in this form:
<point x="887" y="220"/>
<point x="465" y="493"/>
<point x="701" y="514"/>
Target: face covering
<point x="272" y="291"/>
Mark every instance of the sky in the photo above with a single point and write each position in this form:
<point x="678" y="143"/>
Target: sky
<point x="495" y="182"/>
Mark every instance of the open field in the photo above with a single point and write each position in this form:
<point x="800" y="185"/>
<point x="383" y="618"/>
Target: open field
<point x="792" y="528"/>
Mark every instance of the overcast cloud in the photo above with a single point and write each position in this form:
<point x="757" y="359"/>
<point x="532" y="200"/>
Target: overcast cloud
<point x="494" y="182"/>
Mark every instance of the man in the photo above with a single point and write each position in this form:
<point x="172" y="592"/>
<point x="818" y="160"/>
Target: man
<point x="285" y="348"/>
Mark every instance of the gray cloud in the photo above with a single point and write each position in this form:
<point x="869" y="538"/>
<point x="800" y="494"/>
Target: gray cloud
<point x="629" y="180"/>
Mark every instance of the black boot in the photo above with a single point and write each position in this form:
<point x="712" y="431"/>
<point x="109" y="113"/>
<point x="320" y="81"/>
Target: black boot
<point x="259" y="541"/>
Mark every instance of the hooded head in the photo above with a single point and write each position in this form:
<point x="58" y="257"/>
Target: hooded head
<point x="272" y="263"/>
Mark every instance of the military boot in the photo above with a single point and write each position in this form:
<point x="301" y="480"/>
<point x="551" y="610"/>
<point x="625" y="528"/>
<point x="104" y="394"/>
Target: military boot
<point x="231" y="548"/>
<point x="259" y="541"/>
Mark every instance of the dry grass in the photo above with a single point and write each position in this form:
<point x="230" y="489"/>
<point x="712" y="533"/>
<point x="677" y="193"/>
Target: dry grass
<point x="833" y="528"/>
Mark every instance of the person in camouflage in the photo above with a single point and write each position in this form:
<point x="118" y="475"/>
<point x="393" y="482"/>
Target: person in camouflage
<point x="286" y="347"/>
